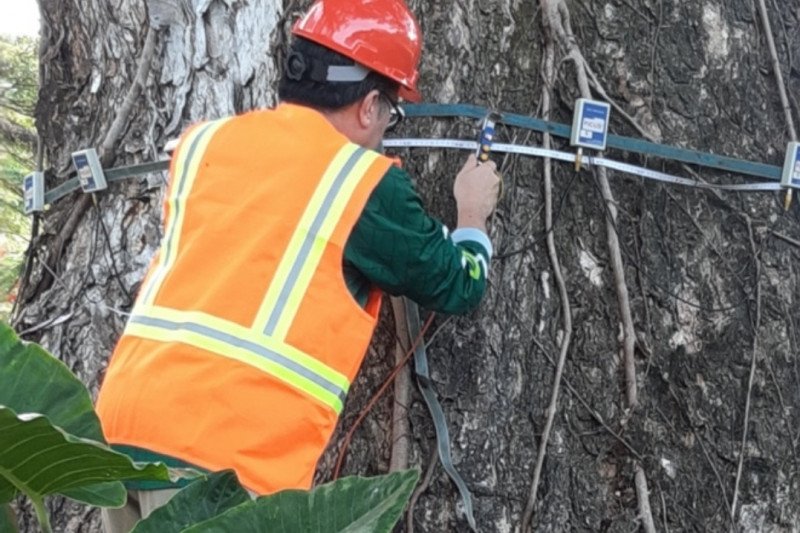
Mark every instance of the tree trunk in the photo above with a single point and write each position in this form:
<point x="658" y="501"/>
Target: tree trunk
<point x="709" y="275"/>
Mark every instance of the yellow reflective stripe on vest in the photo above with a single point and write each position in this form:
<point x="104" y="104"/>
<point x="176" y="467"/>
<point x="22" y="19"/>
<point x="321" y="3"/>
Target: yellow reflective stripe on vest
<point x="189" y="157"/>
<point x="302" y="256"/>
<point x="234" y="341"/>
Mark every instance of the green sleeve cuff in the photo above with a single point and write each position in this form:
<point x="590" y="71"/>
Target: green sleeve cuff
<point x="477" y="237"/>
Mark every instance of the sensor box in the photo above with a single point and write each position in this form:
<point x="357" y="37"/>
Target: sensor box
<point x="791" y="166"/>
<point x="590" y="124"/>
<point x="33" y="192"/>
<point x="90" y="172"/>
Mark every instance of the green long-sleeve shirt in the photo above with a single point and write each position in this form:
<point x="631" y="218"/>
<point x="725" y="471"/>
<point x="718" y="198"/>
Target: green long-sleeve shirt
<point x="396" y="246"/>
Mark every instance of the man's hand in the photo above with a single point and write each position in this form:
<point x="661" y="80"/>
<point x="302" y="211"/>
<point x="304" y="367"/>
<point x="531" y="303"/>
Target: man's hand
<point x="476" y="189"/>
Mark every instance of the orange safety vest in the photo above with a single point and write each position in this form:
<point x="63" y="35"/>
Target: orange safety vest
<point x="244" y="339"/>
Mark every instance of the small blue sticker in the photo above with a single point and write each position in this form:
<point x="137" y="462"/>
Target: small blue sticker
<point x="593" y="125"/>
<point x="28" y="193"/>
<point x="84" y="172"/>
<point x="796" y="169"/>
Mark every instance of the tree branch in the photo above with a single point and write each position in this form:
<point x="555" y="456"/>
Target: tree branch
<point x="106" y="151"/>
<point x="776" y="67"/>
<point x="401" y="432"/>
<point x="560" y="21"/>
<point x="549" y="73"/>
<point x="753" y="361"/>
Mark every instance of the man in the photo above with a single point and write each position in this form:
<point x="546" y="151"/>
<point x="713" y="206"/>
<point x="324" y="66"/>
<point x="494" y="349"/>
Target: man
<point x="282" y="227"/>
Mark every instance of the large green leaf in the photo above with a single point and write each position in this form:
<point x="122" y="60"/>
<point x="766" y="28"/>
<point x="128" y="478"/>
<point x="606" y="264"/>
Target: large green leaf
<point x="112" y="494"/>
<point x="39" y="458"/>
<point x="33" y="381"/>
<point x="203" y="499"/>
<point x="349" y="505"/>
<point x="7" y="491"/>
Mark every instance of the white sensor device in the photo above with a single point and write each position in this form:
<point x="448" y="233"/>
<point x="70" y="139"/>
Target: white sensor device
<point x="791" y="166"/>
<point x="90" y="172"/>
<point x="590" y="124"/>
<point x="33" y="192"/>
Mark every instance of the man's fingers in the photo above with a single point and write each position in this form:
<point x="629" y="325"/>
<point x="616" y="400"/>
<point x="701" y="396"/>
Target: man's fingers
<point x="472" y="161"/>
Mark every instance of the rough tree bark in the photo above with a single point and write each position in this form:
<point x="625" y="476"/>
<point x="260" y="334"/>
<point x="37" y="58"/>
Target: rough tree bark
<point x="711" y="277"/>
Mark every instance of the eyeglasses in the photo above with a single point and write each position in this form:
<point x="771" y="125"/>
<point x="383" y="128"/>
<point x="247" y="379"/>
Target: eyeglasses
<point x="396" y="114"/>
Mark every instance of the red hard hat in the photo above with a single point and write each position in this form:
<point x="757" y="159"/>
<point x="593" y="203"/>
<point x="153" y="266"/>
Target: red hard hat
<point x="382" y="35"/>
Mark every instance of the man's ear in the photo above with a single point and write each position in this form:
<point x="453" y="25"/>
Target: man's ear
<point x="369" y="109"/>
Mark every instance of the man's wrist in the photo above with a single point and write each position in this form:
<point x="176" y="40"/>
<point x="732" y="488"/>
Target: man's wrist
<point x="467" y="221"/>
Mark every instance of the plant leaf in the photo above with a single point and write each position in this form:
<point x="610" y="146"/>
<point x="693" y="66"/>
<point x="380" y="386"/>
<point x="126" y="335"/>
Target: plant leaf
<point x="348" y="505"/>
<point x="203" y="499"/>
<point x="33" y="381"/>
<point x="39" y="458"/>
<point x="111" y="494"/>
<point x="7" y="491"/>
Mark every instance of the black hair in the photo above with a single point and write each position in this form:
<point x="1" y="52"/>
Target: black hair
<point x="306" y="60"/>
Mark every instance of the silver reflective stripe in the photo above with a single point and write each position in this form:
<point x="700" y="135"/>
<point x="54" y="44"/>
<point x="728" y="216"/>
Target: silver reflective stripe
<point x="252" y="347"/>
<point x="351" y="73"/>
<point x="169" y="240"/>
<point x="311" y="236"/>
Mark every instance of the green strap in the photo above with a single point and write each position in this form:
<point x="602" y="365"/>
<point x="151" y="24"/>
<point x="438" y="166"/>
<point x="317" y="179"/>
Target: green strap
<point x="112" y="174"/>
<point x="628" y="144"/>
<point x="435" y="408"/>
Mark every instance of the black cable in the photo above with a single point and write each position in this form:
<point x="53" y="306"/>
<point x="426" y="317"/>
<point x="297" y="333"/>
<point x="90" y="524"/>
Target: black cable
<point x="30" y="254"/>
<point x="113" y="263"/>
<point x="644" y="273"/>
<point x="505" y="255"/>
<point x="88" y="271"/>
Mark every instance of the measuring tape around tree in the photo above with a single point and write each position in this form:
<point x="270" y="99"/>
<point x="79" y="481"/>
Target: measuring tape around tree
<point x="589" y="130"/>
<point x="460" y="144"/>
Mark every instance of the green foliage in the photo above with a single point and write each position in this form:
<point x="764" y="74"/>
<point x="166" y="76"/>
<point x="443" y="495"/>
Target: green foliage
<point x="12" y="255"/>
<point x="19" y="74"/>
<point x="348" y="505"/>
<point x="202" y="500"/>
<point x="55" y="444"/>
<point x="39" y="459"/>
<point x="33" y="381"/>
<point x="18" y="93"/>
<point x="51" y="442"/>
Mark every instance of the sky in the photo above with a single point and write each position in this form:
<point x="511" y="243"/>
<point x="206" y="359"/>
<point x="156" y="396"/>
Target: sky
<point x="19" y="17"/>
